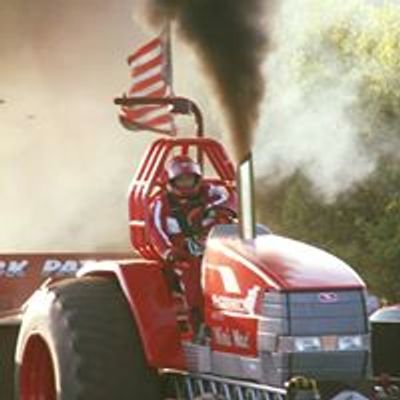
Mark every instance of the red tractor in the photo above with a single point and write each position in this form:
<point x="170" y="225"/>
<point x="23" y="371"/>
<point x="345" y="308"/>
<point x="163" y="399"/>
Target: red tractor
<point x="274" y="308"/>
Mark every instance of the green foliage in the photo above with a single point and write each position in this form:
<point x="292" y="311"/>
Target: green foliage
<point x="360" y="45"/>
<point x="361" y="226"/>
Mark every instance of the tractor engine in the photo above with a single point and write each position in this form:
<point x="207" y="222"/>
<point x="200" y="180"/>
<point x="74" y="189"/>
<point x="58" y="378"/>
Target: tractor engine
<point x="278" y="308"/>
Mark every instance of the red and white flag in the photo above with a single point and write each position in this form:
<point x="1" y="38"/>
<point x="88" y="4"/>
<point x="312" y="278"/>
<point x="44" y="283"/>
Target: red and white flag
<point x="151" y="78"/>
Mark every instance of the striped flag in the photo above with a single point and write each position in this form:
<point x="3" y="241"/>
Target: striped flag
<point x="151" y="78"/>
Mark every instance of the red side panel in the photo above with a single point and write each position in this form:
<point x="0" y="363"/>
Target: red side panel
<point x="22" y="274"/>
<point x="152" y="308"/>
<point x="233" y="295"/>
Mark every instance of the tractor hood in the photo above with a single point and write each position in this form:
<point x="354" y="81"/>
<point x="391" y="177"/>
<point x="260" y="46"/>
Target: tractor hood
<point x="288" y="264"/>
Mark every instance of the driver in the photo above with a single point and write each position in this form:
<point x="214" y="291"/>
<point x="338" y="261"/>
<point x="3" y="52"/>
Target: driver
<point x="181" y="219"/>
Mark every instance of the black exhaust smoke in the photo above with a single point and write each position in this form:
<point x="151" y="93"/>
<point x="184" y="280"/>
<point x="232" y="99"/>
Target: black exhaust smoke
<point x="231" y="39"/>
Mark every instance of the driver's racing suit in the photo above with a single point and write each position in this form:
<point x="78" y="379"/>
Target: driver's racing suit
<point x="171" y="230"/>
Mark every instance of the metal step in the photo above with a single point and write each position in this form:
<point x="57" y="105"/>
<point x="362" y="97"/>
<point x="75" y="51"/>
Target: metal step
<point x="194" y="386"/>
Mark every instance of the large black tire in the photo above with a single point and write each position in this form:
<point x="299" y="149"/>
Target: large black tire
<point x="8" y="339"/>
<point x="93" y="343"/>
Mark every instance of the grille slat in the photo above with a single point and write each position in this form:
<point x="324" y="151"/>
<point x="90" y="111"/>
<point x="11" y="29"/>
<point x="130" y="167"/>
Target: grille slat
<point x="188" y="387"/>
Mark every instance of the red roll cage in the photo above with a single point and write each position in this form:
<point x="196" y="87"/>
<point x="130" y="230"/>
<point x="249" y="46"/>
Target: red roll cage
<point x="150" y="180"/>
<point x="150" y="177"/>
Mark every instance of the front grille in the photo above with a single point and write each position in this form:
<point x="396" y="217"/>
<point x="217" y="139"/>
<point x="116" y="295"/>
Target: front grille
<point x="309" y="315"/>
<point x="313" y="314"/>
<point x="305" y="314"/>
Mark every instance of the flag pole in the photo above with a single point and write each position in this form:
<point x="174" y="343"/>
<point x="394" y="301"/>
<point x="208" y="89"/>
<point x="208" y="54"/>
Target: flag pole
<point x="168" y="49"/>
<point x="169" y="64"/>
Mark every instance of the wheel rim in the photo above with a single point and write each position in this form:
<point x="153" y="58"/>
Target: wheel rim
<point x="37" y="379"/>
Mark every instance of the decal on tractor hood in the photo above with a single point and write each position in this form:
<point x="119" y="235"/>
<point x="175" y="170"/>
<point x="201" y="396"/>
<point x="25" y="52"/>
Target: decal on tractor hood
<point x="235" y="304"/>
<point x="231" y="338"/>
<point x="228" y="277"/>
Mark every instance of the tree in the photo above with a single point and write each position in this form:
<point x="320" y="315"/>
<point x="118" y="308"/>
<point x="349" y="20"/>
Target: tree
<point x="362" y="226"/>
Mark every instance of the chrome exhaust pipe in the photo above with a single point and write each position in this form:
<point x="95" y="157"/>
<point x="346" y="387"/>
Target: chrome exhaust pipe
<point x="245" y="180"/>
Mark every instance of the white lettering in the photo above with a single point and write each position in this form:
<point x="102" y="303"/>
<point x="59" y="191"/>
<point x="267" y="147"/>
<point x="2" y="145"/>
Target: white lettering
<point x="228" y="303"/>
<point x="222" y="337"/>
<point x="61" y="268"/>
<point x="3" y="267"/>
<point x="70" y="267"/>
<point x="244" y="305"/>
<point x="234" y="338"/>
<point x="51" y="266"/>
<point x="14" y="268"/>
<point x="240" y="340"/>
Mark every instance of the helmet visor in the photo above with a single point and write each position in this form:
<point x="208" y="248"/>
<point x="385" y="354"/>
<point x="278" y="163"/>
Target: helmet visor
<point x="186" y="181"/>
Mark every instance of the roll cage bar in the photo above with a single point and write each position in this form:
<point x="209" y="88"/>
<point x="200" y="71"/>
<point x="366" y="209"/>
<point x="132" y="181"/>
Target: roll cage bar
<point x="180" y="105"/>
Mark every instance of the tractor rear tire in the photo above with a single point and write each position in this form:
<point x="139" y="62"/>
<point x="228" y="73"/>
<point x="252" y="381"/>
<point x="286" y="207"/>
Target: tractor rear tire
<point x="8" y="339"/>
<point x="79" y="341"/>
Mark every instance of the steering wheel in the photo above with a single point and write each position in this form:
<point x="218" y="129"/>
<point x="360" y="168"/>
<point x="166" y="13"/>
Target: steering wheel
<point x="220" y="215"/>
<point x="203" y="222"/>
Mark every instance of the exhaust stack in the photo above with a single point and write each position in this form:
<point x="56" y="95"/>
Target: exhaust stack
<point x="245" y="178"/>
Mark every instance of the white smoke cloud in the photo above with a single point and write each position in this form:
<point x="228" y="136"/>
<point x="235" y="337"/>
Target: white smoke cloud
<point x="64" y="159"/>
<point x="311" y="127"/>
<point x="65" y="173"/>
